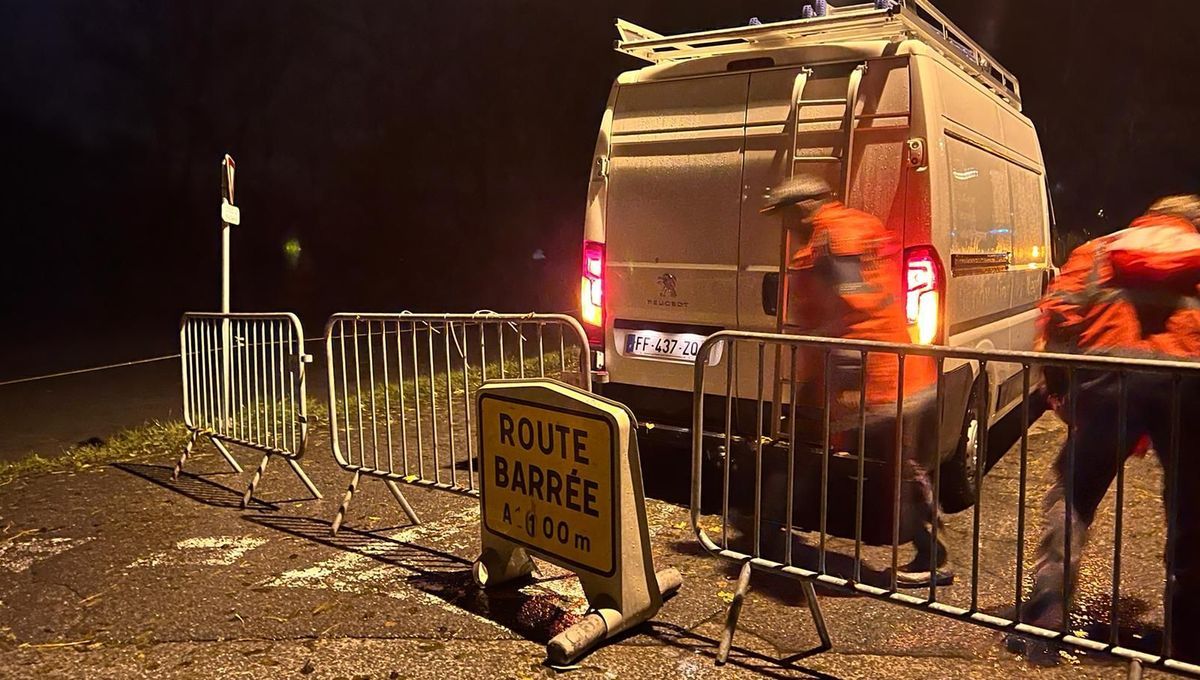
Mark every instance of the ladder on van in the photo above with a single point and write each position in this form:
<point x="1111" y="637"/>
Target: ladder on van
<point x="842" y="159"/>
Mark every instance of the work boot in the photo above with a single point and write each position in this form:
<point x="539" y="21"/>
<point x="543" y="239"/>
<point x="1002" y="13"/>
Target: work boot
<point x="917" y="574"/>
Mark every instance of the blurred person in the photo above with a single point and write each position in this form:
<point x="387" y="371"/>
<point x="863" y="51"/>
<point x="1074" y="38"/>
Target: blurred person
<point x="845" y="282"/>
<point x="1135" y="293"/>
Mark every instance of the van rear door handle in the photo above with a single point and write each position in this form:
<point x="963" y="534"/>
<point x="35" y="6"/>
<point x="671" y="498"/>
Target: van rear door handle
<point x="770" y="294"/>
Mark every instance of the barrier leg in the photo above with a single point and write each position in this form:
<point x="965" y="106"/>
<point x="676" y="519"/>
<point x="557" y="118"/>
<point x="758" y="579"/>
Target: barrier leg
<point x="735" y="609"/>
<point x="395" y="489"/>
<point x="225" y="452"/>
<point x="814" y="608"/>
<point x="187" y="451"/>
<point x="341" y="513"/>
<point x="1135" y="670"/>
<point x="258" y="474"/>
<point x="312" y="488"/>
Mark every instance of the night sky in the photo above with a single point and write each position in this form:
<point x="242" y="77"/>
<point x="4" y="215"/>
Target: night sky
<point x="420" y="153"/>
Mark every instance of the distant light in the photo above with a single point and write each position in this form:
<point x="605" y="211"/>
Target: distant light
<point x="1037" y="252"/>
<point x="291" y="251"/>
<point x="1100" y="213"/>
<point x="755" y="21"/>
<point x="539" y="255"/>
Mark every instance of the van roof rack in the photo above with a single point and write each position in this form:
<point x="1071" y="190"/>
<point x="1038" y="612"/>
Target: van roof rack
<point x="877" y="20"/>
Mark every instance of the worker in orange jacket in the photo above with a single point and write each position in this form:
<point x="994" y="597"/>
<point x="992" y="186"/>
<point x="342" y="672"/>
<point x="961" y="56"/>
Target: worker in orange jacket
<point x="846" y="283"/>
<point x="1135" y="293"/>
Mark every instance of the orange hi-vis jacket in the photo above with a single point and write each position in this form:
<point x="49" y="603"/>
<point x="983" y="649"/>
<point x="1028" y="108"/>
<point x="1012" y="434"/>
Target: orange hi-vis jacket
<point x="1133" y="293"/>
<point x="846" y="283"/>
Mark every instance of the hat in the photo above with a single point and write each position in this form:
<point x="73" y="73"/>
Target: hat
<point x="796" y="190"/>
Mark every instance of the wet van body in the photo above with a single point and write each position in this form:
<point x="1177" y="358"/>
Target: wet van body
<point x="689" y="149"/>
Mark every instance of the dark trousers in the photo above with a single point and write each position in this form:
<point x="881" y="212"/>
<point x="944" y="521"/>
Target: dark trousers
<point x="1094" y="434"/>
<point x="919" y="454"/>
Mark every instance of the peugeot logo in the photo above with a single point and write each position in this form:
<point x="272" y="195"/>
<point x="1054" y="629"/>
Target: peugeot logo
<point x="667" y="281"/>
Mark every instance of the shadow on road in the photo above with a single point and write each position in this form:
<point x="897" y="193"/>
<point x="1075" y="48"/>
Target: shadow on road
<point x="681" y="638"/>
<point x="192" y="486"/>
<point x="537" y="617"/>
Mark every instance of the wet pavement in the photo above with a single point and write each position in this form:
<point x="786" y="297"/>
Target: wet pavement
<point x="120" y="572"/>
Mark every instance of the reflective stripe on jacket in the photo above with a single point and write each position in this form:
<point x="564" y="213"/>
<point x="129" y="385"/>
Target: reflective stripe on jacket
<point x="1133" y="293"/>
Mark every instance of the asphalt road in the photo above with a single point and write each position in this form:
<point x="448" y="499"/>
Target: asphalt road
<point x="120" y="572"/>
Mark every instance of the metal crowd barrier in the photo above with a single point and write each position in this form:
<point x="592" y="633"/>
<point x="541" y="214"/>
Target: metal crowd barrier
<point x="402" y="389"/>
<point x="996" y="594"/>
<point x="244" y="384"/>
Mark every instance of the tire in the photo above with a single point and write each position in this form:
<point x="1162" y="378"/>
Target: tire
<point x="958" y="487"/>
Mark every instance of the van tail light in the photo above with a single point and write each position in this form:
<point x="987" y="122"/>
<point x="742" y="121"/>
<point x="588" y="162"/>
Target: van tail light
<point x="591" y="294"/>
<point x="924" y="287"/>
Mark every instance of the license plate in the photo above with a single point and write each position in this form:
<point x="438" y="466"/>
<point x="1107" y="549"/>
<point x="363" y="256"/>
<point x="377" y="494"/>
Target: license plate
<point x="682" y="347"/>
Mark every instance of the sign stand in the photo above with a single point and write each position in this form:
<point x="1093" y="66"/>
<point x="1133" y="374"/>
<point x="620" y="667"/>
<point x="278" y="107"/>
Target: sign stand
<point x="230" y="216"/>
<point x="560" y="479"/>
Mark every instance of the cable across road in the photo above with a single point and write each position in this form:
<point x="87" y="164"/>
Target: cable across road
<point x="97" y="369"/>
<point x="124" y="364"/>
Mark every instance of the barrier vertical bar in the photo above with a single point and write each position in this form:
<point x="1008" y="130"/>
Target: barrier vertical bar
<point x="417" y="400"/>
<point x="980" y="461"/>
<point x="937" y="473"/>
<point x="1173" y="519"/>
<point x="268" y="392"/>
<point x="1069" y="501"/>
<point x="1114" y="613"/>
<point x="825" y="454"/>
<point x="862" y="466"/>
<point x="358" y="402"/>
<point x="727" y="462"/>
<point x="791" y="462"/>
<point x="295" y="363"/>
<point x="403" y="410"/>
<point x="541" y="351"/>
<point x="256" y="350"/>
<point x="1022" y="494"/>
<point x="562" y="351"/>
<point x="446" y="330"/>
<point x="202" y="332"/>
<point x="758" y="457"/>
<point x="193" y="379"/>
<point x="433" y="417"/>
<point x="273" y="367"/>
<point x="520" y="329"/>
<point x="500" y="346"/>
<point x="898" y="471"/>
<point x="371" y="382"/>
<point x="345" y="388"/>
<point x="466" y="372"/>
<point x="387" y="392"/>
<point x="243" y="371"/>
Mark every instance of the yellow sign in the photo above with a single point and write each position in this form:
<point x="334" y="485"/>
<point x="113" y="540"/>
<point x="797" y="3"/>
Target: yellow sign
<point x="549" y="481"/>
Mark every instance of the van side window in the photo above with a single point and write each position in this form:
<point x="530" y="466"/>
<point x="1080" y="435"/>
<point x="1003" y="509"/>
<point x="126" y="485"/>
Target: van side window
<point x="980" y="199"/>
<point x="1029" y="217"/>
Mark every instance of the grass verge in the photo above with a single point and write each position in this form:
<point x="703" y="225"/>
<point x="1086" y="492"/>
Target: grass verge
<point x="150" y="439"/>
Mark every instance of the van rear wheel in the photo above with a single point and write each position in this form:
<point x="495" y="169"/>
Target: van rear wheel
<point x="959" y="490"/>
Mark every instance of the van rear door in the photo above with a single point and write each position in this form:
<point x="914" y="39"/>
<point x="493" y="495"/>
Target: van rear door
<point x="673" y="217"/>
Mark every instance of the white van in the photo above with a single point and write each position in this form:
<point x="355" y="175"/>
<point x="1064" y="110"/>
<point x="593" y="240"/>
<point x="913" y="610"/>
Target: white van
<point x="898" y="109"/>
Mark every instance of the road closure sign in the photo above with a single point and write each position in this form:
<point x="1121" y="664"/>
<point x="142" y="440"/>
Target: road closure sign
<point x="560" y="480"/>
<point x="549" y="480"/>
